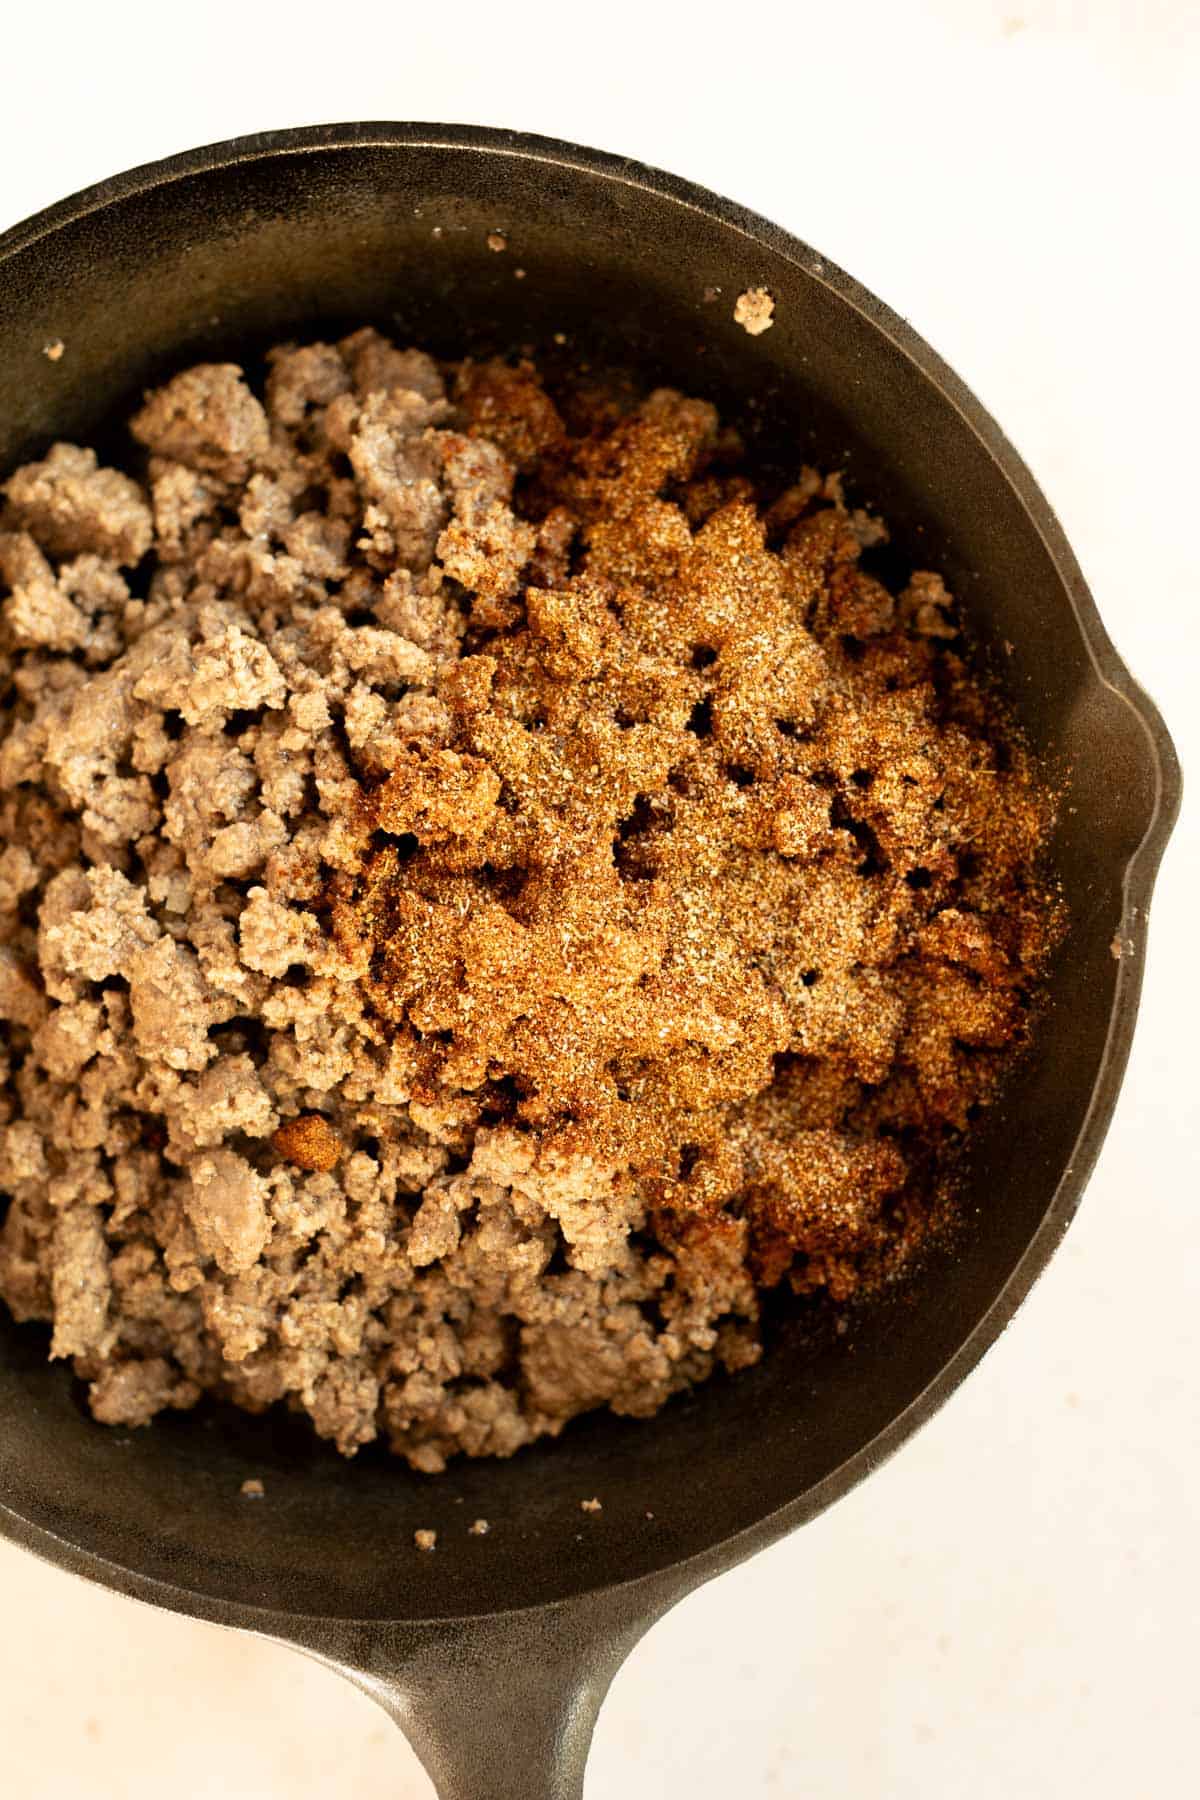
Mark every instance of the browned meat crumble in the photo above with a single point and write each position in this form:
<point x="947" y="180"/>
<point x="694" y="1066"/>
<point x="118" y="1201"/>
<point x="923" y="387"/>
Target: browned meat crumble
<point x="489" y="898"/>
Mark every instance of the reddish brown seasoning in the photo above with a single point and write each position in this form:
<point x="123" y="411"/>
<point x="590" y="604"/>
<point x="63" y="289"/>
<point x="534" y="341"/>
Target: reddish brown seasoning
<point x="309" y="1141"/>
<point x="725" y="879"/>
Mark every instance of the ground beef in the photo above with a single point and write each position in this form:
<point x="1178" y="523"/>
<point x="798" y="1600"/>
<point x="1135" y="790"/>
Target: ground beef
<point x="754" y="311"/>
<point x="496" y="892"/>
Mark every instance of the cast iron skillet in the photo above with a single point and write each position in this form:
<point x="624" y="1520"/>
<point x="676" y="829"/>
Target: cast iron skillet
<point x="494" y="1653"/>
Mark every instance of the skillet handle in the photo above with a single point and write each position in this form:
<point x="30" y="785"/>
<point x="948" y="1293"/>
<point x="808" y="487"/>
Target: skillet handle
<point x="501" y="1708"/>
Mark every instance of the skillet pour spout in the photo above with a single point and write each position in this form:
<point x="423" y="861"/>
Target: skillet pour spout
<point x="494" y="1653"/>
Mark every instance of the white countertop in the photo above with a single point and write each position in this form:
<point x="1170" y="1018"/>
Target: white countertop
<point x="1008" y="1606"/>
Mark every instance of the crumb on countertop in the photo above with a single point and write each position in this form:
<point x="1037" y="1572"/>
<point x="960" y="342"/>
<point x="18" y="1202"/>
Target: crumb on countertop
<point x="53" y="350"/>
<point x="252" y="1489"/>
<point x="479" y="1528"/>
<point x="425" y="1539"/>
<point x="496" y="240"/>
<point x="590" y="1506"/>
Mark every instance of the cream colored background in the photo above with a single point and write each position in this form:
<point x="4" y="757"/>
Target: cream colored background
<point x="1009" y="1607"/>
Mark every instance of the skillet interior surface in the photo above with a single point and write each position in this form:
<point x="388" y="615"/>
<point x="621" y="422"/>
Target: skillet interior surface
<point x="231" y="249"/>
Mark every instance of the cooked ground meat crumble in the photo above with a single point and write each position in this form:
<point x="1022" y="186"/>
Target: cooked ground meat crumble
<point x="509" y="893"/>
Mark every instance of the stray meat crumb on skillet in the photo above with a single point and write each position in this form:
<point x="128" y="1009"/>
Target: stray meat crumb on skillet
<point x="754" y="311"/>
<point x="486" y="892"/>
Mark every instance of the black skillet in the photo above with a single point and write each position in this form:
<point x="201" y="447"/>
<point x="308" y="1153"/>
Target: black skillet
<point x="494" y="1653"/>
